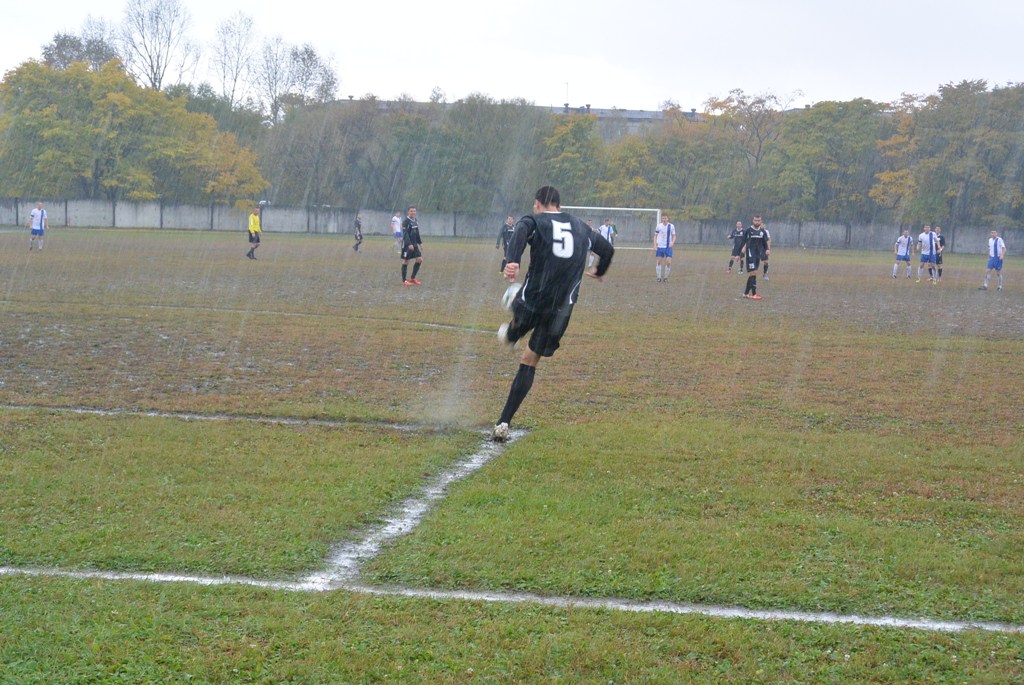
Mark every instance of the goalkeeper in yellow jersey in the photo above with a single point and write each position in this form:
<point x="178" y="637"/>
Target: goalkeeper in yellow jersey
<point x="254" y="232"/>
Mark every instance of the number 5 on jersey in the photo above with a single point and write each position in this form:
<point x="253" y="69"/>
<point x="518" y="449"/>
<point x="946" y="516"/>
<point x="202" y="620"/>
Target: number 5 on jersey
<point x="562" y="243"/>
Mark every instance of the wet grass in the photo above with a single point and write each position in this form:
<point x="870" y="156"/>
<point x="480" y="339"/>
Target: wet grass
<point x="79" y="632"/>
<point x="851" y="443"/>
<point x="216" y="497"/>
<point x="719" y="513"/>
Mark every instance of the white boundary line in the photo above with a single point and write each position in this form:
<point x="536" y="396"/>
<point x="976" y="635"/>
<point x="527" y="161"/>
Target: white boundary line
<point x="252" y="418"/>
<point x="316" y="583"/>
<point x="342" y="571"/>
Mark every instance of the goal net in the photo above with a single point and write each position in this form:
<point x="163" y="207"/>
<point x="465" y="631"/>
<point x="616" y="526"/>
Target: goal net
<point x="632" y="224"/>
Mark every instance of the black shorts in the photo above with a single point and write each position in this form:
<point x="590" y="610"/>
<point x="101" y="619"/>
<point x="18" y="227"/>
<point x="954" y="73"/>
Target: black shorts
<point x="737" y="252"/>
<point x="548" y="327"/>
<point x="254" y="237"/>
<point x="938" y="259"/>
<point x="412" y="252"/>
<point x="753" y="262"/>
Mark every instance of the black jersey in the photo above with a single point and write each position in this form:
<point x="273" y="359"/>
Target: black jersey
<point x="756" y="241"/>
<point x="410" y="233"/>
<point x="505" y="235"/>
<point x="736" y="236"/>
<point x="559" y="244"/>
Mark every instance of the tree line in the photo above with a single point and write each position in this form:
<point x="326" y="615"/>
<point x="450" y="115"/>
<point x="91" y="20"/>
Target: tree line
<point x="91" y="121"/>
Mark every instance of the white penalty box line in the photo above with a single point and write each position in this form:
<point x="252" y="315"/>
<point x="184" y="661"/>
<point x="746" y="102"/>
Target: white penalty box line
<point x="342" y="571"/>
<point x="656" y="210"/>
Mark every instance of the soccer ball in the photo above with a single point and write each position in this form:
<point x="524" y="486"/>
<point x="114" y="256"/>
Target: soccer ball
<point x="510" y="295"/>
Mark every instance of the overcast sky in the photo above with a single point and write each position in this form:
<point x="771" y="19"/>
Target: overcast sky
<point x="630" y="54"/>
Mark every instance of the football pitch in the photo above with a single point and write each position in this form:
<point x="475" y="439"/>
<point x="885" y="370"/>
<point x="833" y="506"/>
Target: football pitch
<point x="217" y="470"/>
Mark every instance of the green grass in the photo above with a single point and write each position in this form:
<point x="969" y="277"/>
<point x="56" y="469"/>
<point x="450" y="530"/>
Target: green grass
<point x="90" y="632"/>
<point x="714" y="513"/>
<point x="850" y="443"/>
<point x="162" y="494"/>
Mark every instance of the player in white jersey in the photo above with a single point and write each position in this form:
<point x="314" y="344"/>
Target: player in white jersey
<point x="996" y="254"/>
<point x="38" y="222"/>
<point x="664" y="240"/>
<point x="607" y="232"/>
<point x="904" y="250"/>
<point x="396" y="230"/>
<point x="928" y="246"/>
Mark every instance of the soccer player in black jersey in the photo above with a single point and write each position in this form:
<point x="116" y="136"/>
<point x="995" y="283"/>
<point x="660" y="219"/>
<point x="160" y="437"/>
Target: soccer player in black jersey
<point x="505" y="235"/>
<point x="412" y="247"/>
<point x="357" y="229"/>
<point x="755" y="239"/>
<point x="941" y="240"/>
<point x="736" y="236"/>
<point x="559" y="243"/>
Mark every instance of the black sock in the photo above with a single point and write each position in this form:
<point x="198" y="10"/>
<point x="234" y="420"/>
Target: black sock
<point x="415" y="269"/>
<point x="517" y="393"/>
<point x="730" y="264"/>
<point x="405" y="270"/>
<point x="765" y="269"/>
<point x="940" y="272"/>
<point x="750" y="284"/>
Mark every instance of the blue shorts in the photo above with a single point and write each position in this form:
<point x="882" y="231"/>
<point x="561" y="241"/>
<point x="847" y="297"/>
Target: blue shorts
<point x="927" y="259"/>
<point x="662" y="252"/>
<point x="903" y="258"/>
<point x="37" y="231"/>
<point x="995" y="263"/>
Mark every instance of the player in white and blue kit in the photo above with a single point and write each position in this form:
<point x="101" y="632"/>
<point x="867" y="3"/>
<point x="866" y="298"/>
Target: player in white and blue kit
<point x="606" y="231"/>
<point x="396" y="230"/>
<point x="664" y="240"/>
<point x="903" y="249"/>
<point x="928" y="246"/>
<point x="996" y="254"/>
<point x="37" y="223"/>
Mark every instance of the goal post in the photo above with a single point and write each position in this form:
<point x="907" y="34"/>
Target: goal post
<point x="632" y="224"/>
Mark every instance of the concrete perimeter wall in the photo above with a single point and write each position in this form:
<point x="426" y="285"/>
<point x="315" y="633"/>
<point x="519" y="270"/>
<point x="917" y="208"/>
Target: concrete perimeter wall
<point x="634" y="230"/>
